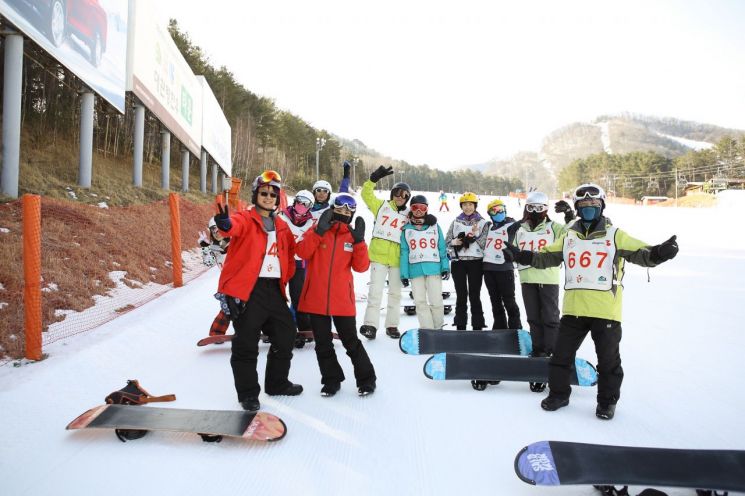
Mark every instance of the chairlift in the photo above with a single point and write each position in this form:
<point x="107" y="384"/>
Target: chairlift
<point x="653" y="184"/>
<point x="682" y="181"/>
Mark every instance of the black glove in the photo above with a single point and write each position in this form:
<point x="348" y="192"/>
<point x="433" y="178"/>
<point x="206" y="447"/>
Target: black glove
<point x="358" y="233"/>
<point x="324" y="223"/>
<point x="236" y="307"/>
<point x="509" y="255"/>
<point x="461" y="237"/>
<point x="380" y="173"/>
<point x="524" y="257"/>
<point x="445" y="275"/>
<point x="347" y="167"/>
<point x="562" y="206"/>
<point x="430" y="220"/>
<point x="405" y="282"/>
<point x="222" y="219"/>
<point x="665" y="251"/>
<point x="467" y="240"/>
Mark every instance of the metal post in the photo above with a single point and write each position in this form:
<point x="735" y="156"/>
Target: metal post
<point x="676" y="186"/>
<point x="85" y="167"/>
<point x="184" y="170"/>
<point x="318" y="153"/>
<point x="139" y="145"/>
<point x="11" y="144"/>
<point x="165" y="159"/>
<point x="214" y="177"/>
<point x="203" y="172"/>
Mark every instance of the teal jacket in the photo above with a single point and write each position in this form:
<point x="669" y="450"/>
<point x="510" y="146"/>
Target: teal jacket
<point x="421" y="269"/>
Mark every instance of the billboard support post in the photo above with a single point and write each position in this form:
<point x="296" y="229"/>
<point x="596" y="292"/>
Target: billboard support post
<point x="214" y="178"/>
<point x="139" y="142"/>
<point x="165" y="158"/>
<point x="203" y="171"/>
<point x="184" y="170"/>
<point x="85" y="167"/>
<point x="12" y="113"/>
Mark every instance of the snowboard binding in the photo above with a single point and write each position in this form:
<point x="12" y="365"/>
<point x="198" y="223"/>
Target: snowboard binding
<point x="538" y="387"/>
<point x="481" y="385"/>
<point x="133" y="394"/>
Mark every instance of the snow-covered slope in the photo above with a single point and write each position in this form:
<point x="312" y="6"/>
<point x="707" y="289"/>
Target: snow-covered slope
<point x="682" y="354"/>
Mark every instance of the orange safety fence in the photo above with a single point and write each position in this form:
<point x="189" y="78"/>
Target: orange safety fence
<point x="93" y="264"/>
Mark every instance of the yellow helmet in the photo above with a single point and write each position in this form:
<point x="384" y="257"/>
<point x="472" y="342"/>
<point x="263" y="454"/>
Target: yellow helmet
<point x="469" y="197"/>
<point x="495" y="203"/>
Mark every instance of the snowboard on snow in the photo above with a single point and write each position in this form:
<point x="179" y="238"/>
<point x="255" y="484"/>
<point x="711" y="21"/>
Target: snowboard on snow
<point x="553" y="463"/>
<point x="502" y="341"/>
<point x="256" y="426"/>
<point x="308" y="335"/>
<point x="453" y="366"/>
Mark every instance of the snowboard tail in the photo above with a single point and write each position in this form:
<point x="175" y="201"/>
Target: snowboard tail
<point x="553" y="463"/>
<point x="501" y="341"/>
<point x="257" y="426"/>
<point x="453" y="366"/>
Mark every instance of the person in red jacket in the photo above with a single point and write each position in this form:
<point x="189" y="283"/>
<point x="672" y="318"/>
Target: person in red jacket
<point x="333" y="249"/>
<point x="252" y="292"/>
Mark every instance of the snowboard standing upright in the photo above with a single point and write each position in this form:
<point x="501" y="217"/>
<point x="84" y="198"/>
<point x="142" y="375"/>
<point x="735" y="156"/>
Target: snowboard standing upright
<point x="553" y="463"/>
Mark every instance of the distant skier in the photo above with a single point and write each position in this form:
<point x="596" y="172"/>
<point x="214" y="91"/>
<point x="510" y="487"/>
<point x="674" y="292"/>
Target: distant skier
<point x="444" y="201"/>
<point x="593" y="252"/>
<point x="252" y="291"/>
<point x="424" y="262"/>
<point x="333" y="250"/>
<point x="466" y="239"/>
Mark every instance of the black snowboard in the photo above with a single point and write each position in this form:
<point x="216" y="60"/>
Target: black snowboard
<point x="553" y="463"/>
<point x="453" y="366"/>
<point x="502" y="341"/>
<point x="259" y="426"/>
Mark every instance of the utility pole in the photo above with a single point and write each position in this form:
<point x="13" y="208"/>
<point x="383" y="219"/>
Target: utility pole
<point x="319" y="144"/>
<point x="676" y="186"/>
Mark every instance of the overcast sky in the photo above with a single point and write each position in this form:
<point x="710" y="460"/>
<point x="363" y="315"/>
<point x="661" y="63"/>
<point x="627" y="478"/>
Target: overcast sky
<point x="456" y="83"/>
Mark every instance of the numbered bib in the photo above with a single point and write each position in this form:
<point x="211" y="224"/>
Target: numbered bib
<point x="423" y="245"/>
<point x="589" y="262"/>
<point x="298" y="231"/>
<point x="534" y="240"/>
<point x="389" y="223"/>
<point x="270" y="264"/>
<point x="474" y="250"/>
<point x="495" y="242"/>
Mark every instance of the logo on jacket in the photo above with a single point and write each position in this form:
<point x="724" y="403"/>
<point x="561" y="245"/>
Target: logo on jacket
<point x="579" y="278"/>
<point x="348" y="247"/>
<point x="602" y="279"/>
<point x="571" y="243"/>
<point x="607" y="242"/>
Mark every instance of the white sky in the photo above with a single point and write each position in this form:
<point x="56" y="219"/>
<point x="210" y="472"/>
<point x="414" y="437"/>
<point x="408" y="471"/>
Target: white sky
<point x="449" y="84"/>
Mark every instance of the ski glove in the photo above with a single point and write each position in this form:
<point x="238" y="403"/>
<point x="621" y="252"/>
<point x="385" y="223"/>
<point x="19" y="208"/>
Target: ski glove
<point x="467" y="240"/>
<point x="347" y="166"/>
<point x="380" y="173"/>
<point x="564" y="207"/>
<point x="665" y="251"/>
<point x="405" y="282"/>
<point x="324" y="223"/>
<point x="358" y="233"/>
<point x="203" y="239"/>
<point x="430" y="220"/>
<point x="222" y="219"/>
<point x="523" y="257"/>
<point x="445" y="275"/>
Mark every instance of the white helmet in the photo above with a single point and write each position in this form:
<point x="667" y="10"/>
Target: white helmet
<point x="536" y="197"/>
<point x="588" y="190"/>
<point x="211" y="223"/>
<point x="305" y="196"/>
<point x="322" y="185"/>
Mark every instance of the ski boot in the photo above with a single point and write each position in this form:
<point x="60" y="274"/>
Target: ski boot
<point x="330" y="389"/>
<point x="366" y="390"/>
<point x="605" y="412"/>
<point x="368" y="331"/>
<point x="392" y="332"/>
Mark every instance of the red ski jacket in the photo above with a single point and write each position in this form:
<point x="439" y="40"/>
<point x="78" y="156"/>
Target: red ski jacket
<point x="329" y="285"/>
<point x="247" y="248"/>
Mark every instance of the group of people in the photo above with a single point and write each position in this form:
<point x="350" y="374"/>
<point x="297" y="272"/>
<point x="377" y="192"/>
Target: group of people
<point x="314" y="246"/>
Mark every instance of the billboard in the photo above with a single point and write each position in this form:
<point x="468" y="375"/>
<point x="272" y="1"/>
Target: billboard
<point x="160" y="77"/>
<point x="89" y="37"/>
<point x="216" y="136"/>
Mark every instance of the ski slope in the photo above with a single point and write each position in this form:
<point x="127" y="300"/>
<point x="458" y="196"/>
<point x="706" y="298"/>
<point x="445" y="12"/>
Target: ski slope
<point x="682" y="354"/>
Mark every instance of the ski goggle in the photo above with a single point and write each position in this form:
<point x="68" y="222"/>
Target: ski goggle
<point x="419" y="207"/>
<point x="589" y="202"/>
<point x="345" y="201"/>
<point x="304" y="202"/>
<point x="401" y="193"/>
<point x="496" y="210"/>
<point x="536" y="207"/>
<point x="588" y="192"/>
<point x="269" y="175"/>
<point x="321" y="190"/>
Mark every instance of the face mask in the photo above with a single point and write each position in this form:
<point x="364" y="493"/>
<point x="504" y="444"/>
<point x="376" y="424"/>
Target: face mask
<point x="536" y="217"/>
<point x="588" y="214"/>
<point x="499" y="217"/>
<point x="300" y="208"/>
<point x="344" y="219"/>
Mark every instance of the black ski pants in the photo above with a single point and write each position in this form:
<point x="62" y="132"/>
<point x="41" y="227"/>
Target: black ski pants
<point x="607" y="336"/>
<point x="542" y="309"/>
<point x="467" y="277"/>
<point x="266" y="310"/>
<point x="346" y="328"/>
<point x="296" y="288"/>
<point x="501" y="286"/>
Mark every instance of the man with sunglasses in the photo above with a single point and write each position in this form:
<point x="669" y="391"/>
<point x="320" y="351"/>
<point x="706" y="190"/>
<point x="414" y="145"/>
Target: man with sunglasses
<point x="540" y="287"/>
<point x="593" y="252"/>
<point x="252" y="291"/>
<point x="385" y="252"/>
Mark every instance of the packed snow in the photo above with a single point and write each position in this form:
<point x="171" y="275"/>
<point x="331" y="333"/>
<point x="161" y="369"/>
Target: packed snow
<point x="682" y="355"/>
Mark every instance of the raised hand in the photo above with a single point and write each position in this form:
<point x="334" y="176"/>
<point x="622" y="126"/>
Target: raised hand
<point x="380" y="173"/>
<point x="222" y="219"/>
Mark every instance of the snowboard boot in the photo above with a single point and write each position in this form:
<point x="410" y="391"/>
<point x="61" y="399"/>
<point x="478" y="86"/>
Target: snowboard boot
<point x="299" y="341"/>
<point x="366" y="390"/>
<point x="538" y="387"/>
<point x="605" y="412"/>
<point x="392" y="332"/>
<point x="290" y="390"/>
<point x="330" y="389"/>
<point x="264" y="338"/>
<point x="368" y="331"/>
<point x="553" y="403"/>
<point x="251" y="404"/>
<point x="478" y="385"/>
